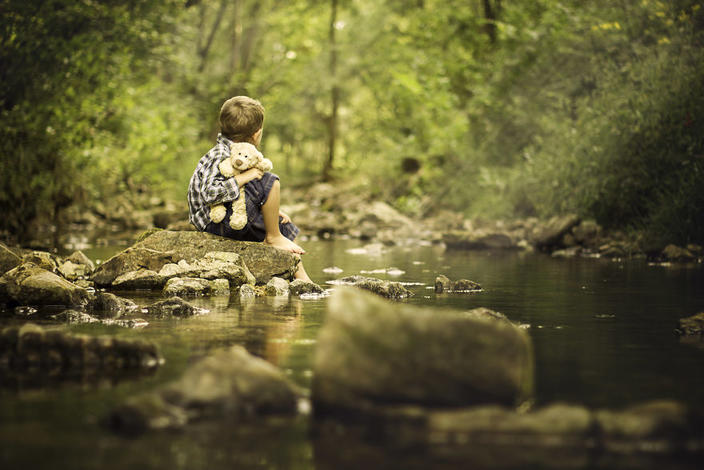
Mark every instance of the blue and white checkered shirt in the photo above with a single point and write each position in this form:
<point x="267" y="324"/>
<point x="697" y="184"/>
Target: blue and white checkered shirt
<point x="208" y="186"/>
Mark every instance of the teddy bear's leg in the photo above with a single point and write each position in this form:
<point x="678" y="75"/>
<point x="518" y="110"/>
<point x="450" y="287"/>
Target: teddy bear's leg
<point x="239" y="211"/>
<point x="217" y="213"/>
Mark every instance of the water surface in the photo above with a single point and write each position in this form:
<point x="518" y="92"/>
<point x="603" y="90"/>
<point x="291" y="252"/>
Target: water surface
<point x="602" y="332"/>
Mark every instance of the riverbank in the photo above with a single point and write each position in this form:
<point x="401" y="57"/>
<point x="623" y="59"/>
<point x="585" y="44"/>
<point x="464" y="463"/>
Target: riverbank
<point x="328" y="211"/>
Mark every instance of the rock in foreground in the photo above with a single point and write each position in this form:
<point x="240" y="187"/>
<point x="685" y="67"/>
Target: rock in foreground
<point x="556" y="436"/>
<point x="661" y="427"/>
<point x="53" y="350"/>
<point x="373" y="353"/>
<point x="230" y="383"/>
<point x="169" y="247"/>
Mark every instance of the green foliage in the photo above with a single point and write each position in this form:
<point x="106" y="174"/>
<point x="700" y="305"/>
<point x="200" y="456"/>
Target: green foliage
<point x="533" y="108"/>
<point x="60" y="60"/>
<point x="630" y="156"/>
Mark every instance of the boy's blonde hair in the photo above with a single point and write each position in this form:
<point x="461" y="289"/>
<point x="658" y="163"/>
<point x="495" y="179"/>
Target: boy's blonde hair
<point x="240" y="118"/>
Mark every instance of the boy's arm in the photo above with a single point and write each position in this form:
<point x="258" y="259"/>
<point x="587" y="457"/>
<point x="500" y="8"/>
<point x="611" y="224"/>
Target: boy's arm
<point x="218" y="189"/>
<point x="221" y="189"/>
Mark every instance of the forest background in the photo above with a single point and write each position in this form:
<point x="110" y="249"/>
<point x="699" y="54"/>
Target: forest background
<point x="493" y="108"/>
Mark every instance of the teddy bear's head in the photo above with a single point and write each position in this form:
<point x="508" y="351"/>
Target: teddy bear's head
<point x="244" y="156"/>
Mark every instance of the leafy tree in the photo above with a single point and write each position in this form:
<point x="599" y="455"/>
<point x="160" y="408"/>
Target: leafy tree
<point x="61" y="66"/>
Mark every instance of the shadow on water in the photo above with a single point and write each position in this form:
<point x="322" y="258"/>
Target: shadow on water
<point x="602" y="333"/>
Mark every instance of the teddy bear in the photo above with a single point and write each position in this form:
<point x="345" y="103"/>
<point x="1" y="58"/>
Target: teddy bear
<point x="243" y="156"/>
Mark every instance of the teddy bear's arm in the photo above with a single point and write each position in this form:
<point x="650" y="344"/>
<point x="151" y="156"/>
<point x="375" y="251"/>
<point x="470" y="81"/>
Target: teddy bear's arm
<point x="226" y="168"/>
<point x="265" y="164"/>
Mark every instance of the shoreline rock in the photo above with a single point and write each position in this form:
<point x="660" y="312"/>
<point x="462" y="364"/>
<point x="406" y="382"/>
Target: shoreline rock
<point x="29" y="284"/>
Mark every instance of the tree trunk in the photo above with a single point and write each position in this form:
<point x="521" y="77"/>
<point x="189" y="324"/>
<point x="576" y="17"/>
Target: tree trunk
<point x="334" y="96"/>
<point x="236" y="32"/>
<point x="205" y="49"/>
<point x="490" y="14"/>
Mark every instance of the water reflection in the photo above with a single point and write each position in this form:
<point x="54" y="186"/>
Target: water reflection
<point x="606" y="341"/>
<point x="384" y="446"/>
<point x="284" y="320"/>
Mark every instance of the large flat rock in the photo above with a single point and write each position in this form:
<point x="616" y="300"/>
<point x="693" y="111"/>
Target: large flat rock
<point x="166" y="246"/>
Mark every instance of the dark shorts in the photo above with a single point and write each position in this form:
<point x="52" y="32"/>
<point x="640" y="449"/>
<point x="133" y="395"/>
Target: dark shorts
<point x="257" y="192"/>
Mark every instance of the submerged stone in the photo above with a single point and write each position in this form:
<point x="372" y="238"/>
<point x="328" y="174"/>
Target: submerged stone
<point x="444" y="284"/>
<point x="300" y="287"/>
<point x="74" y="316"/>
<point x="693" y="325"/>
<point x="556" y="425"/>
<point x="107" y="305"/>
<point x="373" y="353"/>
<point x="247" y="292"/>
<point x="231" y="383"/>
<point x="277" y="287"/>
<point x="174" y="307"/>
<point x="34" y="347"/>
<point x="388" y="289"/>
<point x="664" y="425"/>
<point x="656" y="427"/>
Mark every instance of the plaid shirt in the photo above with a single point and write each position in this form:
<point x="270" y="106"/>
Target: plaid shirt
<point x="208" y="186"/>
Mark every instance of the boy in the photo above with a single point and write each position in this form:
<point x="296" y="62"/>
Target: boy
<point x="241" y="120"/>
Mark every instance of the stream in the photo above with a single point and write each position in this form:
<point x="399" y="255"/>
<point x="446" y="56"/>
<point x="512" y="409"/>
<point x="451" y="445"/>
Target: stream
<point x="602" y="332"/>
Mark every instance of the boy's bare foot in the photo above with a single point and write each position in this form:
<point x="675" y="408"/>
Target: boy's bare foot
<point x="284" y="243"/>
<point x="302" y="274"/>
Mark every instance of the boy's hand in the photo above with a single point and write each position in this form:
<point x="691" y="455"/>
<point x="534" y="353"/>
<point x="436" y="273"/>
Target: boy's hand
<point x="284" y="218"/>
<point x="249" y="175"/>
